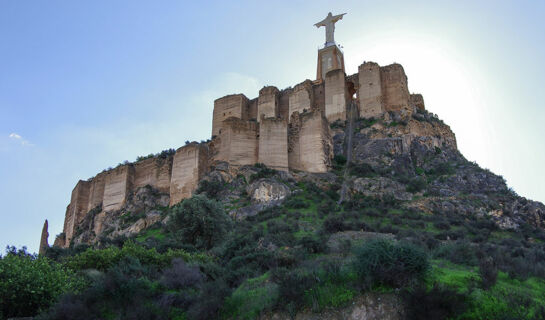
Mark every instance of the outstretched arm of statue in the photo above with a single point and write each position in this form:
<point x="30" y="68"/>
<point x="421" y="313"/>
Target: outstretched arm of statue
<point x="321" y="23"/>
<point x="337" y="17"/>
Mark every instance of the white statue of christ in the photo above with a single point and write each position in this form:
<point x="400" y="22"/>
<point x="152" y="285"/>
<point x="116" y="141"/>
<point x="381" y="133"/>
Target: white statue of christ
<point x="329" y="24"/>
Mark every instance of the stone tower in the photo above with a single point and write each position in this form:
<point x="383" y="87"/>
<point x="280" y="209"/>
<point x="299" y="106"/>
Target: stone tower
<point x="330" y="57"/>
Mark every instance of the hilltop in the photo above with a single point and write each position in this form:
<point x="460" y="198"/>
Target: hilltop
<point x="338" y="198"/>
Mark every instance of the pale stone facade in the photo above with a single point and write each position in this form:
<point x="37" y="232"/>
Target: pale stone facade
<point x="188" y="167"/>
<point x="335" y="96"/>
<point x="370" y="90"/>
<point x="301" y="98"/>
<point x="394" y="87"/>
<point x="76" y="210"/>
<point x="310" y="147"/>
<point x="116" y="187"/>
<point x="267" y="103"/>
<point x="234" y="105"/>
<point x="238" y="142"/>
<point x="155" y="172"/>
<point x="273" y="143"/>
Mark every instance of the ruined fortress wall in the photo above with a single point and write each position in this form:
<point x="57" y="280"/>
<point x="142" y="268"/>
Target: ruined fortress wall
<point x="370" y="90"/>
<point x="273" y="143"/>
<point x="284" y="103"/>
<point x="394" y="88"/>
<point x="301" y="98"/>
<point x="417" y="100"/>
<point x="188" y="166"/>
<point x="116" y="188"/>
<point x="238" y="142"/>
<point x="234" y="105"/>
<point x="267" y="103"/>
<point x="318" y="91"/>
<point x="310" y="146"/>
<point x="155" y="172"/>
<point x="77" y="208"/>
<point x="335" y="95"/>
<point x="252" y="109"/>
<point x="96" y="192"/>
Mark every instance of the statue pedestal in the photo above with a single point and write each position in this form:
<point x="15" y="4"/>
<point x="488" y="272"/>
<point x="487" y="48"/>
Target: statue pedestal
<point x="329" y="58"/>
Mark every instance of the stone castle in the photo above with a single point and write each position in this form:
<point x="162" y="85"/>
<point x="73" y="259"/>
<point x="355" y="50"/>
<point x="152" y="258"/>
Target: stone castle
<point x="283" y="129"/>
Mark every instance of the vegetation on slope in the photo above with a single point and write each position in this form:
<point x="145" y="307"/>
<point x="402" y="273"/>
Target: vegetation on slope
<point x="427" y="242"/>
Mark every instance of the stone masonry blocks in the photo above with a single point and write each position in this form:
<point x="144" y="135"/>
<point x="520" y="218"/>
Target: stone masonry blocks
<point x="310" y="146"/>
<point x="238" y="142"/>
<point x="155" y="172"/>
<point x="267" y="103"/>
<point x="188" y="167"/>
<point x="394" y="88"/>
<point x="370" y="90"/>
<point x="235" y="105"/>
<point x="116" y="188"/>
<point x="301" y="98"/>
<point x="335" y="96"/>
<point x="273" y="143"/>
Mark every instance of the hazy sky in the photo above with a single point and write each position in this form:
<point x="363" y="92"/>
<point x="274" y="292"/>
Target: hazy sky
<point x="85" y="85"/>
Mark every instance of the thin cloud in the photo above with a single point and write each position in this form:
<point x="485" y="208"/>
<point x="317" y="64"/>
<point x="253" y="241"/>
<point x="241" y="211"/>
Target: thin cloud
<point x="19" y="138"/>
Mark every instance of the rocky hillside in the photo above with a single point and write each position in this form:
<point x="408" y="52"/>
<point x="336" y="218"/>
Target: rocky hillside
<point x="414" y="161"/>
<point x="401" y="227"/>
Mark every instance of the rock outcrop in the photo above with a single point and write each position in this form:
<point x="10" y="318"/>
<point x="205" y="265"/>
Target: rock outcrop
<point x="43" y="239"/>
<point x="368" y="307"/>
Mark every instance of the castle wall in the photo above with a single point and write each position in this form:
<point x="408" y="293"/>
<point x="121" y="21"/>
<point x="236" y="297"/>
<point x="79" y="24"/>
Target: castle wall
<point x="335" y="96"/>
<point x="394" y="88"/>
<point x="417" y="100"/>
<point x="235" y="105"/>
<point x="238" y="142"/>
<point x="77" y="208"/>
<point x="370" y="90"/>
<point x="96" y="192"/>
<point x="188" y="166"/>
<point x="284" y="103"/>
<point x="116" y="188"/>
<point x="301" y="98"/>
<point x="155" y="172"/>
<point x="252" y="109"/>
<point x="273" y="143"/>
<point x="267" y="103"/>
<point x="319" y="97"/>
<point x="310" y="146"/>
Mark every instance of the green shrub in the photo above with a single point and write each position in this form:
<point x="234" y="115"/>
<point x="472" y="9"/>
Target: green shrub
<point x="296" y="203"/>
<point x="211" y="188"/>
<point x="488" y="270"/>
<point x="458" y="252"/>
<point x="30" y="284"/>
<point x="264" y="172"/>
<point x="251" y="299"/>
<point x="361" y="170"/>
<point x="416" y="184"/>
<point x="383" y="262"/>
<point x="199" y="221"/>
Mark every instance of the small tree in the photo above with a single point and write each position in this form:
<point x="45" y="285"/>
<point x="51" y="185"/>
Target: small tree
<point x="30" y="284"/>
<point x="488" y="271"/>
<point x="199" y="221"/>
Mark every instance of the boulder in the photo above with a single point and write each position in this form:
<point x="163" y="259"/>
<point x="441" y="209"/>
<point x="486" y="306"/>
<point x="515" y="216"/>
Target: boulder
<point x="267" y="190"/>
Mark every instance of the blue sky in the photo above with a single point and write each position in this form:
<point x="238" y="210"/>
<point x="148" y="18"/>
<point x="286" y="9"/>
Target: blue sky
<point x="86" y="85"/>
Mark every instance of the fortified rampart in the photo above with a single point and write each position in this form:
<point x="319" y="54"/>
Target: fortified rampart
<point x="284" y="129"/>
